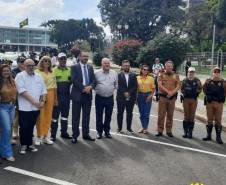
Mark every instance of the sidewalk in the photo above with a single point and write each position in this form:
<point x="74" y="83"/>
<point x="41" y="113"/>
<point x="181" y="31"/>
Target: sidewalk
<point x="201" y="109"/>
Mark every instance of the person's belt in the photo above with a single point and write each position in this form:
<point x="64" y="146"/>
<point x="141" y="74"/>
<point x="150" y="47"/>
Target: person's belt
<point x="144" y="92"/>
<point x="165" y="96"/>
<point x="8" y="102"/>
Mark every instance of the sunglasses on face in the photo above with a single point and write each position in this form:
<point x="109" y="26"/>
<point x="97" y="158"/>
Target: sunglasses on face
<point x="47" y="61"/>
<point x="63" y="59"/>
<point x="145" y="69"/>
<point x="217" y="71"/>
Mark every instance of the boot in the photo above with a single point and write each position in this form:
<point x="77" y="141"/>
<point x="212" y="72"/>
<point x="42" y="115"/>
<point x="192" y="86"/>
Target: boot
<point x="209" y="128"/>
<point x="218" y="129"/>
<point x="190" y="129"/>
<point x="185" y="126"/>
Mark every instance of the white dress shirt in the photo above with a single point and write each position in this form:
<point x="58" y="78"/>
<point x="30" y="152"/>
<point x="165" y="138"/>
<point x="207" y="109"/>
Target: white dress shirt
<point x="127" y="78"/>
<point x="34" y="85"/>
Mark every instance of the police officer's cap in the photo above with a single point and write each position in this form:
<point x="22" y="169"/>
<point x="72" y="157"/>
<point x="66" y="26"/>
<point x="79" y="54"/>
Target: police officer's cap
<point x="191" y="69"/>
<point x="216" y="69"/>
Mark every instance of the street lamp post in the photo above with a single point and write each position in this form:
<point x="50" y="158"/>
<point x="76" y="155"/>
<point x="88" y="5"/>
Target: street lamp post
<point x="121" y="28"/>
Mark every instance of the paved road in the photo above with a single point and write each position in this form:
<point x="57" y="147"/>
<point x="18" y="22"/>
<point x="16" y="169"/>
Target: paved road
<point x="124" y="160"/>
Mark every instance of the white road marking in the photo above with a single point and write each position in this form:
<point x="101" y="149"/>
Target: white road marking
<point x="166" y="144"/>
<point x="37" y="176"/>
<point x="151" y="115"/>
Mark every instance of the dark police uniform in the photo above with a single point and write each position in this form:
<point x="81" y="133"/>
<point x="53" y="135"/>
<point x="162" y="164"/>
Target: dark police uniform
<point x="190" y="90"/>
<point x="63" y="95"/>
<point x="215" y="91"/>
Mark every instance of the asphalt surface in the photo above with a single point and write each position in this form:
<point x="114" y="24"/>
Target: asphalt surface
<point x="123" y="160"/>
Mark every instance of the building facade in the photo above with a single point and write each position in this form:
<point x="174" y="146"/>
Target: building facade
<point x="24" y="39"/>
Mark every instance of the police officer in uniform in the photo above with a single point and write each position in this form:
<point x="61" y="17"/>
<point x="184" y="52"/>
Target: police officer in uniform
<point x="169" y="84"/>
<point x="215" y="91"/>
<point x="62" y="73"/>
<point x="190" y="89"/>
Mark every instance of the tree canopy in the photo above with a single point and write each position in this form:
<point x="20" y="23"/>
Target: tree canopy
<point x="66" y="31"/>
<point x="144" y="18"/>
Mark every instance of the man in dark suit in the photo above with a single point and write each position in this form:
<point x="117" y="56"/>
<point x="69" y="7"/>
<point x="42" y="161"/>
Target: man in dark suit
<point x="82" y="77"/>
<point x="126" y="95"/>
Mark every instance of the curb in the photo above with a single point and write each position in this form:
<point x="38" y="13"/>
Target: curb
<point x="198" y="117"/>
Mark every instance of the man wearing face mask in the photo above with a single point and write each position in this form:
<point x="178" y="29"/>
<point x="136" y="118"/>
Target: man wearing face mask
<point x="191" y="87"/>
<point x="106" y="83"/>
<point x="126" y="96"/>
<point x="215" y="91"/>
<point x="169" y="84"/>
<point x="63" y="78"/>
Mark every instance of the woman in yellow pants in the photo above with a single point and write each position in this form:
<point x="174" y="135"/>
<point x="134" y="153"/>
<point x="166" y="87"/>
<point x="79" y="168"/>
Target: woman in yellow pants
<point x="44" y="121"/>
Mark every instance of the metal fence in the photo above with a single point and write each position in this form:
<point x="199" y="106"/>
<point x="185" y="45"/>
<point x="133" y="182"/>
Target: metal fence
<point x="204" y="61"/>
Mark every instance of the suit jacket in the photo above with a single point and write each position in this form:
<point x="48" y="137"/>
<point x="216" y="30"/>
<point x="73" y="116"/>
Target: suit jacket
<point x="77" y="81"/>
<point x="131" y="88"/>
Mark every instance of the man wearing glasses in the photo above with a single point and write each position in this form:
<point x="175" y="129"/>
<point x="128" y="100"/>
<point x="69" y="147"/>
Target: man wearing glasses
<point x="215" y="91"/>
<point x="31" y="88"/>
<point x="63" y="78"/>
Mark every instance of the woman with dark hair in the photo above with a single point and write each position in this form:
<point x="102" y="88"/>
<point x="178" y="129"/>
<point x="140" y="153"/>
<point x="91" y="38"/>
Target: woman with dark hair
<point x="146" y="88"/>
<point x="8" y="94"/>
<point x="45" y="118"/>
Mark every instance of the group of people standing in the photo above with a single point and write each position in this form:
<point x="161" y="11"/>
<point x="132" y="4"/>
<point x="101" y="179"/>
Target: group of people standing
<point x="42" y="94"/>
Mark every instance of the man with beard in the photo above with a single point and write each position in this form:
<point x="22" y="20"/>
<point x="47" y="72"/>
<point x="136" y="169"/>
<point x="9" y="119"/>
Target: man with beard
<point x="126" y="95"/>
<point x="83" y="80"/>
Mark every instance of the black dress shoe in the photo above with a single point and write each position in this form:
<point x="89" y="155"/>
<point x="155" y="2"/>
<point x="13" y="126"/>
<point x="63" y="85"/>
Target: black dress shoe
<point x="88" y="138"/>
<point x="159" y="134"/>
<point x="53" y="139"/>
<point x="74" y="140"/>
<point x="108" y="135"/>
<point x="66" y="136"/>
<point x="99" y="136"/>
<point x="169" y="134"/>
<point x="130" y="131"/>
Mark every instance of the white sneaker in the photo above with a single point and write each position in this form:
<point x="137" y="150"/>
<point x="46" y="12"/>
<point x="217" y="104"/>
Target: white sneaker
<point x="32" y="148"/>
<point x="38" y="141"/>
<point x="23" y="149"/>
<point x="47" y="141"/>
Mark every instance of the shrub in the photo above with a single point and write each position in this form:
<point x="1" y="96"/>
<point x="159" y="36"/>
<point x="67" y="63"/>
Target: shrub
<point x="165" y="46"/>
<point x="126" y="50"/>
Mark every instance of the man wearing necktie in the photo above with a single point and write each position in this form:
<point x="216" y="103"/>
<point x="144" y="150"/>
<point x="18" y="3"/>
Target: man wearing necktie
<point x="82" y="76"/>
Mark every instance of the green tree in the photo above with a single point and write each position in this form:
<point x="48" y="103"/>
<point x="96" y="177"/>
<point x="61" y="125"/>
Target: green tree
<point x="145" y="18"/>
<point x="98" y="55"/>
<point x="67" y="31"/>
<point x="165" y="46"/>
<point x="197" y="27"/>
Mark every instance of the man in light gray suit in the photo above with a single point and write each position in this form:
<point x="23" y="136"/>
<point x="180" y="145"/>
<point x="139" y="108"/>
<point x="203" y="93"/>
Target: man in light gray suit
<point x="83" y="80"/>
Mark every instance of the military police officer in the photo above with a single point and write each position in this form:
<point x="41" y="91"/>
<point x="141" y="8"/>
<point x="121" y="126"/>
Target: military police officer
<point x="215" y="91"/>
<point x="169" y="84"/>
<point x="190" y="89"/>
<point x="62" y="73"/>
